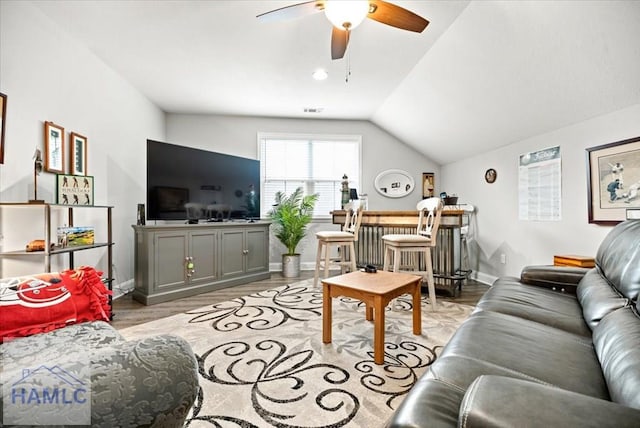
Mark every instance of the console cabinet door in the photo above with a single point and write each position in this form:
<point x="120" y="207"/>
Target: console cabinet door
<point x="169" y="252"/>
<point x="203" y="251"/>
<point x="232" y="253"/>
<point x="257" y="244"/>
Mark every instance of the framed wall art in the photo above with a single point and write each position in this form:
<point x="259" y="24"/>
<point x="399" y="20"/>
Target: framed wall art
<point x="53" y="148"/>
<point x="490" y="176"/>
<point x="428" y="185"/>
<point x="613" y="180"/>
<point x="74" y="189"/>
<point x="78" y="161"/>
<point x="3" y="124"/>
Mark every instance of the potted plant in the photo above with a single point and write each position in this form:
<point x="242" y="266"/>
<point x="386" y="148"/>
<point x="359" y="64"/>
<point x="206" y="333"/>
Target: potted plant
<point x="290" y="215"/>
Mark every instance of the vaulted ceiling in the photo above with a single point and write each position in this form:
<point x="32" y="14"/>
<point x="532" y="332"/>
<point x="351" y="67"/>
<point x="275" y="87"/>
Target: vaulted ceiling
<point x="483" y="74"/>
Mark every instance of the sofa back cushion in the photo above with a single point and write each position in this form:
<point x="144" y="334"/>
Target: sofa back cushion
<point x="618" y="258"/>
<point x="597" y="297"/>
<point x="616" y="340"/>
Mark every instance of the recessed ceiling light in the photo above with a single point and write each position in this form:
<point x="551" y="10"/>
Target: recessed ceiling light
<point x="320" y="74"/>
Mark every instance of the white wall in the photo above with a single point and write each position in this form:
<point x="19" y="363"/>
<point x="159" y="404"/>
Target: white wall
<point x="238" y="135"/>
<point x="499" y="231"/>
<point x="47" y="76"/>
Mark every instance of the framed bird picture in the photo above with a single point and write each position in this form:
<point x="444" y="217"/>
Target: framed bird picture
<point x="53" y="148"/>
<point x="78" y="161"/>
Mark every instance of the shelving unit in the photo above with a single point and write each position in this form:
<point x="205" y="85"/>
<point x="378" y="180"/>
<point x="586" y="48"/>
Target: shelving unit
<point x="52" y="250"/>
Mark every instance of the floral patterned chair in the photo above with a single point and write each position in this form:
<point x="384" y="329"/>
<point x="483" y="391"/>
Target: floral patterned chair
<point x="87" y="372"/>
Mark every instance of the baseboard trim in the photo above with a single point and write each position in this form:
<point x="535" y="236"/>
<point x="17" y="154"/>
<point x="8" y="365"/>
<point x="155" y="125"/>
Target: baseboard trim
<point x="483" y="278"/>
<point x="277" y="267"/>
<point x="123" y="288"/>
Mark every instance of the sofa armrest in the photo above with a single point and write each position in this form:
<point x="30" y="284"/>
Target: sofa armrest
<point x="498" y="401"/>
<point x="559" y="278"/>
<point x="150" y="381"/>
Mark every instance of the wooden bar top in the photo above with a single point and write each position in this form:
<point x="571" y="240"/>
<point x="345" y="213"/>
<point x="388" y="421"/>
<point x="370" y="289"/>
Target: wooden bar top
<point x="450" y="217"/>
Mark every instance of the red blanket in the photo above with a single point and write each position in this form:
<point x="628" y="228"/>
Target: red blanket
<point x="44" y="302"/>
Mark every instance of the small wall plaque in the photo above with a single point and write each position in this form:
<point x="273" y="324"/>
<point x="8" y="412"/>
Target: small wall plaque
<point x="74" y="189"/>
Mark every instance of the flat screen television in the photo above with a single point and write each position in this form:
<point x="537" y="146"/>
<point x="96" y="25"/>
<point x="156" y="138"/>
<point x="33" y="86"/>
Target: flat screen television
<point x="190" y="184"/>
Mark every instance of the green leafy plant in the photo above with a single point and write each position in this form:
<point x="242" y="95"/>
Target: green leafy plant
<point x="291" y="214"/>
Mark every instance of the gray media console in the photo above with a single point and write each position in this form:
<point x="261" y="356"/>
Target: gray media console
<point x="174" y="261"/>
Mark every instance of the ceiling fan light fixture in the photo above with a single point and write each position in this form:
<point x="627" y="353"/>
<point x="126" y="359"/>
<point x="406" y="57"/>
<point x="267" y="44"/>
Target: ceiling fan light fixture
<point x="346" y="14"/>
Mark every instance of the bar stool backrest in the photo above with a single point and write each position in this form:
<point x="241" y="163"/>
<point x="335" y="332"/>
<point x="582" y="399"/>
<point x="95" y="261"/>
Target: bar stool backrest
<point x="429" y="220"/>
<point x="352" y="221"/>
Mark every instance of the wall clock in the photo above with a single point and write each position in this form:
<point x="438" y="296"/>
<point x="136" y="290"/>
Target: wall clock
<point x="394" y="183"/>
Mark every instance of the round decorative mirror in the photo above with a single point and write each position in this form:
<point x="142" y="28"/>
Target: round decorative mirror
<point x="394" y="183"/>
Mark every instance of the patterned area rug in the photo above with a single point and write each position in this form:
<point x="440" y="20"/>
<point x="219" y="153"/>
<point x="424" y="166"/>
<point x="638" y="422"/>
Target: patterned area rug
<point x="262" y="360"/>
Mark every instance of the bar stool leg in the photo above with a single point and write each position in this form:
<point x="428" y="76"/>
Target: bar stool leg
<point x="397" y="255"/>
<point x="352" y="257"/>
<point x="387" y="257"/>
<point x="343" y="258"/>
<point x="318" y="261"/>
<point x="430" y="283"/>
<point x="327" y="259"/>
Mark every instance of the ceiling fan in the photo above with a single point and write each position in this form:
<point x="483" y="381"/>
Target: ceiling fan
<point x="346" y="15"/>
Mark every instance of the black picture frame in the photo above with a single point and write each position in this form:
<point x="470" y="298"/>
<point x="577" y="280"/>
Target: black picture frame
<point x="607" y="199"/>
<point x="3" y="124"/>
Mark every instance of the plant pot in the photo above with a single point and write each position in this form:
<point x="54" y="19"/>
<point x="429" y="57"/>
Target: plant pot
<point x="291" y="265"/>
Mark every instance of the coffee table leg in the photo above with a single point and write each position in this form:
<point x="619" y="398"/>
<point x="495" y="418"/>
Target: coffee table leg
<point x="378" y="331"/>
<point x="326" y="313"/>
<point x="417" y="309"/>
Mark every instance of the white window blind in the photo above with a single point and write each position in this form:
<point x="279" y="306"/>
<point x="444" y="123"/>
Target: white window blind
<point x="314" y="162"/>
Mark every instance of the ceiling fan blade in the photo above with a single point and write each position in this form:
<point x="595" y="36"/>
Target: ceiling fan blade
<point x="396" y="16"/>
<point x="291" y="12"/>
<point x="339" y="41"/>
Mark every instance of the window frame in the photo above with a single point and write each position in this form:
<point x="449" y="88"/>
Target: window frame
<point x="350" y="138"/>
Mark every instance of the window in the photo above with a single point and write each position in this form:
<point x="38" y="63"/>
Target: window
<point x="314" y="162"/>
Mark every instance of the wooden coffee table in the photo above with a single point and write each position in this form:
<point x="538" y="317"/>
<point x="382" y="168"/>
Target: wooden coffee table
<point x="376" y="290"/>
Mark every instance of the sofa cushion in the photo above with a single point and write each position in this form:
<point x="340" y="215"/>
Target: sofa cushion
<point x="597" y="297"/>
<point x="617" y="342"/>
<point x="618" y="258"/>
<point x="497" y="401"/>
<point x="152" y="381"/>
<point x="509" y="296"/>
<point x="499" y="344"/>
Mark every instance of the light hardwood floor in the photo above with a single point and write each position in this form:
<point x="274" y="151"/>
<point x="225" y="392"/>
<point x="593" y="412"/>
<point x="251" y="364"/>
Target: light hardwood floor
<point x="128" y="312"/>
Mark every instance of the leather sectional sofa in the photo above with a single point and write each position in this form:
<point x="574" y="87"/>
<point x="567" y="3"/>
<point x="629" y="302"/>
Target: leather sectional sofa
<point x="557" y="347"/>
